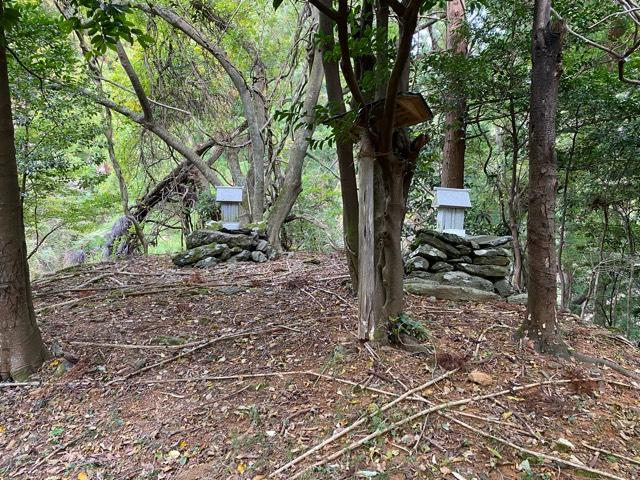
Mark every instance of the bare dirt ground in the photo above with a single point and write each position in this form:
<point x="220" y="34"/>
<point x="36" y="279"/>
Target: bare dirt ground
<point x="232" y="372"/>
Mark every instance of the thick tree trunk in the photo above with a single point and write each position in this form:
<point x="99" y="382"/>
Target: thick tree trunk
<point x="21" y="349"/>
<point x="344" y="150"/>
<point x="292" y="185"/>
<point x="392" y="267"/>
<point x="454" y="121"/>
<point x="541" y="322"/>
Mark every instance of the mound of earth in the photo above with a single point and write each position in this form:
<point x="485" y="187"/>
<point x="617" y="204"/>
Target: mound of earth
<point x="235" y="371"/>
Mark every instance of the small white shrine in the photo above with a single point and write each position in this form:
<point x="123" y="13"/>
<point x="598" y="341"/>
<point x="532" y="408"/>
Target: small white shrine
<point x="451" y="204"/>
<point x="230" y="199"/>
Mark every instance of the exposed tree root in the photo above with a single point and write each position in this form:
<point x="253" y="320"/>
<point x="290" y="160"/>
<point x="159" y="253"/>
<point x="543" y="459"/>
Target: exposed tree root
<point x="581" y="357"/>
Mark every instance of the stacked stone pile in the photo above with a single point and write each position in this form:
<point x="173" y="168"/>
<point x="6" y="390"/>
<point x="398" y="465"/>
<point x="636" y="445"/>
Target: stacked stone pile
<point x="206" y="248"/>
<point x="452" y="267"/>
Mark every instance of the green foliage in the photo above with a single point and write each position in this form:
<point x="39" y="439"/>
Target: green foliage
<point x="106" y="23"/>
<point x="206" y="206"/>
<point x="407" y="325"/>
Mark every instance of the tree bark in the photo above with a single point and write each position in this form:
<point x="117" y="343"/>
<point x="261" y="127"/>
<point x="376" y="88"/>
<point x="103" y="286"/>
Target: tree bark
<point x="540" y="322"/>
<point x="368" y="300"/>
<point x="455" y="126"/>
<point x="21" y="349"/>
<point x="292" y="185"/>
<point x="344" y="150"/>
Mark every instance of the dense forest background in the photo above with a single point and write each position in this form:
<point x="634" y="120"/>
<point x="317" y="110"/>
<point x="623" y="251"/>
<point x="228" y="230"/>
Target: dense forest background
<point x="92" y="178"/>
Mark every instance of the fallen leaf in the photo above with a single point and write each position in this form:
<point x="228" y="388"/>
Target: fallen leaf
<point x="83" y="476"/>
<point x="241" y="468"/>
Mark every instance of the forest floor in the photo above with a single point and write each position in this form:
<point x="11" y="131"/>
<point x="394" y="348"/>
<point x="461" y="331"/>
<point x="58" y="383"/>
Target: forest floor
<point x="264" y="375"/>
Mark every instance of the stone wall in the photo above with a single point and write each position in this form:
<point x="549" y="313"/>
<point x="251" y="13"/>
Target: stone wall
<point x="451" y="267"/>
<point x="206" y="248"/>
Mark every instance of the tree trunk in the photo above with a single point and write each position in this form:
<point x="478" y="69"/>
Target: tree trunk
<point x="541" y="322"/>
<point x="122" y="185"/>
<point x="595" y="274"/>
<point x="565" y="293"/>
<point x="514" y="199"/>
<point x="599" y="301"/>
<point x="344" y="150"/>
<point x="367" y="286"/>
<point x="392" y="268"/>
<point x="454" y="121"/>
<point x="292" y="185"/>
<point x="21" y="349"/>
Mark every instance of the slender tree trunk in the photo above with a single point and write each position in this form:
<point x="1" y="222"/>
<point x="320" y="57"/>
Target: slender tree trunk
<point x="613" y="303"/>
<point x="514" y="199"/>
<point x="599" y="301"/>
<point x="455" y="127"/>
<point x="292" y="185"/>
<point x="629" y="320"/>
<point x="122" y="184"/>
<point x="344" y="150"/>
<point x="565" y="297"/>
<point x="258" y="134"/>
<point x="21" y="349"/>
<point x="541" y="322"/>
<point x="595" y="274"/>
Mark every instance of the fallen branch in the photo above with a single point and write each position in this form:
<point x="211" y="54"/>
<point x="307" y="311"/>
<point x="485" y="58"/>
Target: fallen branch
<point x="607" y="452"/>
<point x="94" y="279"/>
<point x="552" y="458"/>
<point x="136" y="346"/>
<point x="426" y="411"/>
<point x="497" y="422"/>
<point x="19" y="384"/>
<point x="65" y="303"/>
<point x="359" y="422"/>
<point x="214" y="378"/>
<point x="339" y="297"/>
<point x="189" y="352"/>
